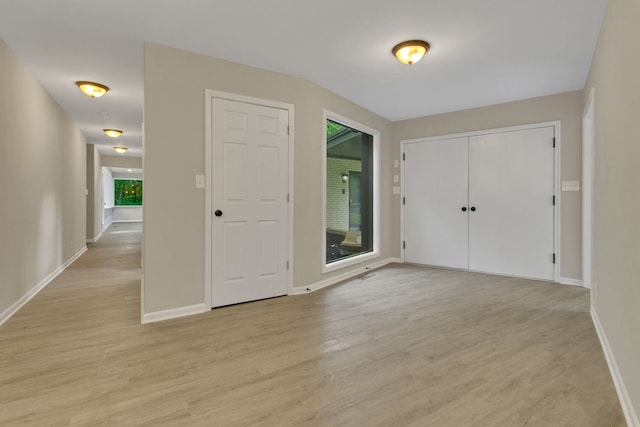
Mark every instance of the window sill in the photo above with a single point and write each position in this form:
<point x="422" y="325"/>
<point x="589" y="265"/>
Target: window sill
<point x="337" y="265"/>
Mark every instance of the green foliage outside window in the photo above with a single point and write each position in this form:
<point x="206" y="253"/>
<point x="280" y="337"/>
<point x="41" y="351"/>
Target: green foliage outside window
<point x="128" y="192"/>
<point x="333" y="127"/>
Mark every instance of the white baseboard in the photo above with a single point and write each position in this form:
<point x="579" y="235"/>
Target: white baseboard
<point x="300" y="290"/>
<point x="13" y="309"/>
<point x="630" y="414"/>
<point x="126" y="220"/>
<point x="173" y="313"/>
<point x="570" y="281"/>
<point x="95" y="239"/>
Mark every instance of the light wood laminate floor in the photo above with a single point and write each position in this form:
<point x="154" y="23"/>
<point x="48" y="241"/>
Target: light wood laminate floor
<point x="407" y="346"/>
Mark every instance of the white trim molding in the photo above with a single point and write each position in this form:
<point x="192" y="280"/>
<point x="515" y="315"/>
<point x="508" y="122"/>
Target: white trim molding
<point x="570" y="281"/>
<point x="301" y="290"/>
<point x="630" y="414"/>
<point x="13" y="309"/>
<point x="95" y="239"/>
<point x="588" y="175"/>
<point x="174" y="313"/>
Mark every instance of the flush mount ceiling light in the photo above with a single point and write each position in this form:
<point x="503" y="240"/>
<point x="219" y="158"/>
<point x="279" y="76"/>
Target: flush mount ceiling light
<point x="120" y="149"/>
<point x="113" y="133"/>
<point x="92" y="89"/>
<point x="411" y="51"/>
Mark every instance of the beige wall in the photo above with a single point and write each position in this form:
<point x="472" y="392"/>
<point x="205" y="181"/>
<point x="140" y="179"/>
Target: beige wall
<point x="94" y="196"/>
<point x="174" y="237"/>
<point x="614" y="74"/>
<point x="42" y="183"/>
<point x="564" y="107"/>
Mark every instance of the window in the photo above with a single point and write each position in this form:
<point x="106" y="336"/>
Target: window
<point x="350" y="192"/>
<point x="127" y="192"/>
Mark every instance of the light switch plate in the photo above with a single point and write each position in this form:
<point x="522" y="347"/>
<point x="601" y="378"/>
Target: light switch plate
<point x="199" y="181"/>
<point x="570" y="185"/>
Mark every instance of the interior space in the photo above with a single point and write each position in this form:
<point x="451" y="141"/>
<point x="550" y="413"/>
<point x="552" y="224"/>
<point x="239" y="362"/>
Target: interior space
<point x="409" y="213"/>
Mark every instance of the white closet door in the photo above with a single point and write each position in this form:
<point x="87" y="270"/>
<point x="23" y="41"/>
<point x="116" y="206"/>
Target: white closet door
<point x="511" y="187"/>
<point x="435" y="191"/>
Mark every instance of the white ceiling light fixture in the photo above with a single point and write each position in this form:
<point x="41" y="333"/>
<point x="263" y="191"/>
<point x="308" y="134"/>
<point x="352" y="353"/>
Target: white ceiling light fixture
<point x="92" y="89"/>
<point x="411" y="51"/>
<point x="112" y="133"/>
<point x="120" y="150"/>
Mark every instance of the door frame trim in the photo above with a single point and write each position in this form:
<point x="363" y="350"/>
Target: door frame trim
<point x="588" y="174"/>
<point x="208" y="214"/>
<point x="557" y="185"/>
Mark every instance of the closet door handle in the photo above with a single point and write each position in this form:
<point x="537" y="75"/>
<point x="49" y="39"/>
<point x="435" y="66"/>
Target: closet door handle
<point x="473" y="208"/>
<point x="464" y="209"/>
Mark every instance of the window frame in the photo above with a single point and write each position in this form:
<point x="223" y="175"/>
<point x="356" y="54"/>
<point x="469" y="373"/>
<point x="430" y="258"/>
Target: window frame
<point x="356" y="259"/>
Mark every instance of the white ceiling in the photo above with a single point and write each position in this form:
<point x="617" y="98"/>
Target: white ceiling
<point x="483" y="52"/>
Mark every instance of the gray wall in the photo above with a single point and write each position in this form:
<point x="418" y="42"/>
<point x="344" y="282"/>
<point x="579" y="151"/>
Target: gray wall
<point x="616" y="236"/>
<point x="42" y="183"/>
<point x="174" y="237"/>
<point x="564" y="107"/>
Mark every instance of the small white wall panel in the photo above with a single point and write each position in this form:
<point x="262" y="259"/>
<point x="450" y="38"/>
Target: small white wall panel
<point x="235" y="176"/>
<point x="236" y="246"/>
<point x="267" y="243"/>
<point x="268" y="174"/>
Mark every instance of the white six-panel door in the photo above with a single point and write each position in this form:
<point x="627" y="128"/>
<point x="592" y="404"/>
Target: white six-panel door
<point x="435" y="184"/>
<point x="482" y="202"/>
<point x="249" y="197"/>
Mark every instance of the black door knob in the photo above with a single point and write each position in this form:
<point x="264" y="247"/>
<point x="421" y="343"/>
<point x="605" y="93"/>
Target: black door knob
<point x="473" y="208"/>
<point x="464" y="209"/>
<point x="218" y="212"/>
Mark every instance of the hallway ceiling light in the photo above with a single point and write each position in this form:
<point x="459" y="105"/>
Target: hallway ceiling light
<point x="120" y="150"/>
<point x="113" y="133"/>
<point x="92" y="89"/>
<point x="411" y="51"/>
